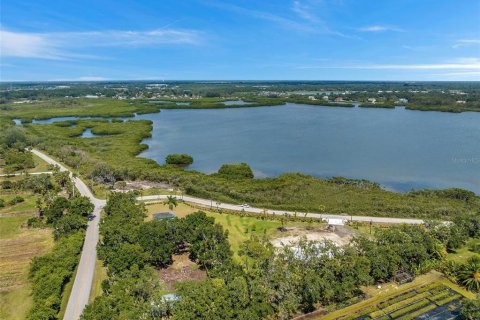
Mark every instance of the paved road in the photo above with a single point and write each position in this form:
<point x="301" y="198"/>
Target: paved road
<point x="234" y="207"/>
<point x="84" y="278"/>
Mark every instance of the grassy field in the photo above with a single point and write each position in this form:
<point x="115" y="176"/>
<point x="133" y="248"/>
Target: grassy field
<point x="26" y="207"/>
<point x="46" y="109"/>
<point x="99" y="275"/>
<point x="40" y="166"/>
<point x="239" y="228"/>
<point x="464" y="253"/>
<point x="392" y="301"/>
<point x="17" y="246"/>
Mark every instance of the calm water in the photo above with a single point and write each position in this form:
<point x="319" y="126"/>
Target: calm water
<point x="399" y="148"/>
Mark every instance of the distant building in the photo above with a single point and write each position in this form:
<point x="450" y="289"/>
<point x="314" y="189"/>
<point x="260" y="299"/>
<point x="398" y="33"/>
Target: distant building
<point x="312" y="98"/>
<point x="461" y="101"/>
<point x="91" y="96"/>
<point x="403" y="100"/>
<point x="325" y="98"/>
<point x="336" y="222"/>
<point x="338" y="99"/>
<point x="372" y="100"/>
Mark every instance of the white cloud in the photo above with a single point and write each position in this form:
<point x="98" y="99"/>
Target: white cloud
<point x="466" y="42"/>
<point x="91" y="78"/>
<point x="304" y="11"/>
<point x="458" y="74"/>
<point x="379" y="28"/>
<point x="458" y="64"/>
<point x="26" y="45"/>
<point x="60" y="45"/>
<point x="311" y="25"/>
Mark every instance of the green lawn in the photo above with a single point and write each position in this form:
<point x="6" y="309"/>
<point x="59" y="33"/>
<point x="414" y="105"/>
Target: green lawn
<point x="463" y="254"/>
<point x="40" y="165"/>
<point x="27" y="206"/>
<point x="239" y="228"/>
<point x="242" y="228"/>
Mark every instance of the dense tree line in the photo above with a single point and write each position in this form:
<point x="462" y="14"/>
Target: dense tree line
<point x="50" y="273"/>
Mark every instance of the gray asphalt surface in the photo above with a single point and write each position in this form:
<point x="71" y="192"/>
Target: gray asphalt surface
<point x="86" y="267"/>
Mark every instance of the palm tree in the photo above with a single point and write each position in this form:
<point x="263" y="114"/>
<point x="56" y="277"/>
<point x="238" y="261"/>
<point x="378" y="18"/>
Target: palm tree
<point x="171" y="201"/>
<point x="469" y="276"/>
<point x="74" y="176"/>
<point x="39" y="207"/>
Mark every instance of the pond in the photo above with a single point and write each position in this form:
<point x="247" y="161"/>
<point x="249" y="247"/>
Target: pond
<point x="401" y="149"/>
<point x="89" y="134"/>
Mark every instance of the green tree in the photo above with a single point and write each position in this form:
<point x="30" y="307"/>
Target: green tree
<point x="157" y="241"/>
<point x="69" y="224"/>
<point x="181" y="160"/>
<point x="471" y="309"/>
<point x="81" y="206"/>
<point x="171" y="202"/>
<point x="236" y="171"/>
<point x="469" y="274"/>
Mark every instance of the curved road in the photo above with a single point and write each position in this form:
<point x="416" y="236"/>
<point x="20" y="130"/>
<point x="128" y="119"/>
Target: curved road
<point x="83" y="280"/>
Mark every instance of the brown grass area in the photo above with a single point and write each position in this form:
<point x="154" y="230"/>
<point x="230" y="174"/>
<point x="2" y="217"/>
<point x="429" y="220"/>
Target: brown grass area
<point x="180" y="211"/>
<point x="181" y="269"/>
<point x="18" y="245"/>
<point x="16" y="253"/>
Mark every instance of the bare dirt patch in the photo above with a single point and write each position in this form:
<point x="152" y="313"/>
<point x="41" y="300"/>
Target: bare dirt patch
<point x="143" y="185"/>
<point x="339" y="236"/>
<point x="181" y="269"/>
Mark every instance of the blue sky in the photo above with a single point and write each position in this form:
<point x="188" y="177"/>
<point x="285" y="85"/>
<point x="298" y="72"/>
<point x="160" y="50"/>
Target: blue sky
<point x="256" y="40"/>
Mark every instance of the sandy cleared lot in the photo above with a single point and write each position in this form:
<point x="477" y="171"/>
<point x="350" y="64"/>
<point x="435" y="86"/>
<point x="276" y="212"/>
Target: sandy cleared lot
<point x="294" y="235"/>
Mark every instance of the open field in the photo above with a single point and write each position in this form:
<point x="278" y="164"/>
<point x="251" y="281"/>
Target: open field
<point x="17" y="246"/>
<point x="180" y="211"/>
<point x="426" y="296"/>
<point x="75" y="107"/>
<point x="239" y="228"/>
<point x="40" y="166"/>
<point x="28" y="206"/>
<point x="464" y="253"/>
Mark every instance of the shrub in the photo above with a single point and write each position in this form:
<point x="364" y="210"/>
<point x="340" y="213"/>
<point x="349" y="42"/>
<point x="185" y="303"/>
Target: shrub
<point x="15" y="200"/>
<point x="179" y="159"/>
<point x="236" y="170"/>
<point x="2" y="203"/>
<point x="474" y="247"/>
<point x="7" y="184"/>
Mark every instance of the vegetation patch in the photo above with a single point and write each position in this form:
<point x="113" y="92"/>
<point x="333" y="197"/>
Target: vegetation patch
<point x="410" y="304"/>
<point x="181" y="269"/>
